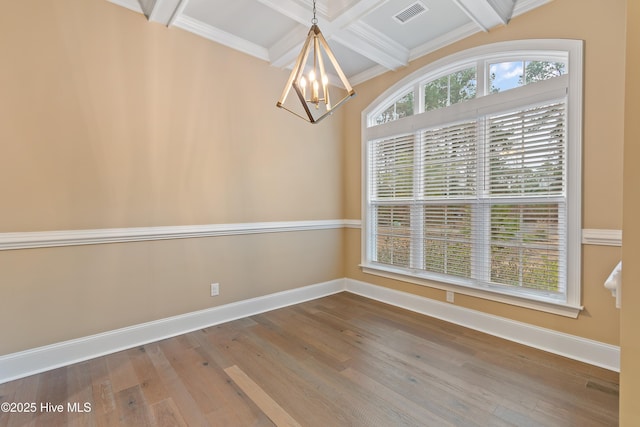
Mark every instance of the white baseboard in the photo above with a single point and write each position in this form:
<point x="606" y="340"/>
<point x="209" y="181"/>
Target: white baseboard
<point x="18" y="365"/>
<point x="593" y="352"/>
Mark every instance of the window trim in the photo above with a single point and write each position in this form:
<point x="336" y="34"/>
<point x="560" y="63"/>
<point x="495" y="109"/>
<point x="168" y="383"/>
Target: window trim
<point x="483" y="55"/>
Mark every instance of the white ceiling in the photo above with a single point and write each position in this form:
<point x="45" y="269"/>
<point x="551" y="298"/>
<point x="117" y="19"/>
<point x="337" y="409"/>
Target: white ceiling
<point x="364" y="35"/>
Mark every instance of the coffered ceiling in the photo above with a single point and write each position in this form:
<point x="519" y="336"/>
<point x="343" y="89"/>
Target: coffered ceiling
<point x="368" y="37"/>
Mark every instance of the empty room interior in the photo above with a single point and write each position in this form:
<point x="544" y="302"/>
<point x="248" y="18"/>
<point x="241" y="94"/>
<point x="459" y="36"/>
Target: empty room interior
<point x="434" y="237"/>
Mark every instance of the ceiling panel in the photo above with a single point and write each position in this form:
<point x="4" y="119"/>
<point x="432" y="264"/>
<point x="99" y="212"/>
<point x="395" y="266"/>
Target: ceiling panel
<point x="247" y="19"/>
<point x="352" y="63"/>
<point x="424" y="27"/>
<point x="329" y="9"/>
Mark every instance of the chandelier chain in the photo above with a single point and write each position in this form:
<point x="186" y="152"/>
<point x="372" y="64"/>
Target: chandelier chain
<point x="314" y="21"/>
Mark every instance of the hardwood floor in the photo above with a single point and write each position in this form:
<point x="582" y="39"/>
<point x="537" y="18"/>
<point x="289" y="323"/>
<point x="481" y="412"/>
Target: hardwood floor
<point x="342" y="360"/>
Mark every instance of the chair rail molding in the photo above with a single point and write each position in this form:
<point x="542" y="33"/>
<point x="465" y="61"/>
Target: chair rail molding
<point x="46" y="239"/>
<point x="601" y="237"/>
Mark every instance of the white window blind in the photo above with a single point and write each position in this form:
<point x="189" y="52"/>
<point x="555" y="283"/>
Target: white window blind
<point x="484" y="193"/>
<point x="527" y="193"/>
<point x="483" y="199"/>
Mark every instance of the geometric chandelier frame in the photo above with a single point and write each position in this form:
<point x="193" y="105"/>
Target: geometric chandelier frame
<point x="310" y="81"/>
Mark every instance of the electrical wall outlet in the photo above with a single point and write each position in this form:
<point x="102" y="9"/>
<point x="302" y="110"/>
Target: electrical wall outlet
<point x="450" y="297"/>
<point x="215" y="289"/>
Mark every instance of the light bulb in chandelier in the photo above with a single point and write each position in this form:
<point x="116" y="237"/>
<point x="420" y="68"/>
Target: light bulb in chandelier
<point x="316" y="79"/>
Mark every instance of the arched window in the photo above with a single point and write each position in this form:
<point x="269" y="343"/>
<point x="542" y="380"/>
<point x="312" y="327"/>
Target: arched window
<point x="472" y="175"/>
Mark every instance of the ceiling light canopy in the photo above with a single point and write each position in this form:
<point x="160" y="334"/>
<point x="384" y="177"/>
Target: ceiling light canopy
<point x="316" y="78"/>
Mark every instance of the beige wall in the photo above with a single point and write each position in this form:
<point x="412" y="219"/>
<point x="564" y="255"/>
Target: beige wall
<point x="630" y="315"/>
<point x="107" y="120"/>
<point x="53" y="295"/>
<point x="600" y="23"/>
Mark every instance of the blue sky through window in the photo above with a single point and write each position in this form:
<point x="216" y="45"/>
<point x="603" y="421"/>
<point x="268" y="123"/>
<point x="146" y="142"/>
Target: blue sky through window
<point x="506" y="75"/>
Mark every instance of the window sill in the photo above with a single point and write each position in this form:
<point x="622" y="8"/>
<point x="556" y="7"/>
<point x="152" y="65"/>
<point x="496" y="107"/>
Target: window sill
<point x="544" y="306"/>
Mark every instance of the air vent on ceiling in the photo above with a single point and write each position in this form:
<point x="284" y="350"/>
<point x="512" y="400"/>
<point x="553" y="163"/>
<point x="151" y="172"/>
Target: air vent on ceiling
<point x="408" y="13"/>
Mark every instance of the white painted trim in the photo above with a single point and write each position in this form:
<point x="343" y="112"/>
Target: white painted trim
<point x="569" y="85"/>
<point x="352" y="223"/>
<point x="21" y="364"/>
<point x="485" y="14"/>
<point x="46" y="239"/>
<point x="177" y="12"/>
<point x="381" y="48"/>
<point x="163" y="11"/>
<point x="592" y="236"/>
<point x="593" y="352"/>
<point x="129" y="4"/>
<point x="463" y="287"/>
<point x="33" y="361"/>
<point x="217" y="35"/>
<point x="524" y="6"/>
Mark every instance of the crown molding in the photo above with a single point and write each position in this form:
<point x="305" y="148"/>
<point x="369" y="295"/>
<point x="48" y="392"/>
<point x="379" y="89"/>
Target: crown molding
<point x="214" y="34"/>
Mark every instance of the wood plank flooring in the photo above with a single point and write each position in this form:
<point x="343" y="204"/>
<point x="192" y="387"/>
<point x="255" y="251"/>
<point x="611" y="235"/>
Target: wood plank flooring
<point x="342" y="360"/>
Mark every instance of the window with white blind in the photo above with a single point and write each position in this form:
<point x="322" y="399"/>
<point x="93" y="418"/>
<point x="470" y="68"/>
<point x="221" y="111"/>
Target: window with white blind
<point x="478" y="189"/>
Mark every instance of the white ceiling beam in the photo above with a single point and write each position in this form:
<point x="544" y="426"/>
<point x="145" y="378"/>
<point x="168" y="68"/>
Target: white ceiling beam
<point x="303" y="14"/>
<point x="162" y="11"/>
<point x="217" y="35"/>
<point x="346" y="30"/>
<point x="177" y="12"/>
<point x="290" y="9"/>
<point x="487" y="13"/>
<point x="356" y="12"/>
<point x="374" y="45"/>
<point x="504" y="8"/>
<point x="129" y="4"/>
<point x="147" y="6"/>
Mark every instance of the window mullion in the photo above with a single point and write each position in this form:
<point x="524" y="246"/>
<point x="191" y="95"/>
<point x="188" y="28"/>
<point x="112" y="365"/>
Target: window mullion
<point x="481" y="79"/>
<point x="481" y="264"/>
<point x="417" y="208"/>
<point x="418" y="98"/>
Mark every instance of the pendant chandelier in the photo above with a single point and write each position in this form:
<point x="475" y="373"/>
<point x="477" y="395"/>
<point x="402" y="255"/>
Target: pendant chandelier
<point x="315" y="88"/>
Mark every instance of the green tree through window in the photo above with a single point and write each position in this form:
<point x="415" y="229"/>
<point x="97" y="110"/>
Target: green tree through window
<point x="400" y="108"/>
<point x="450" y="89"/>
